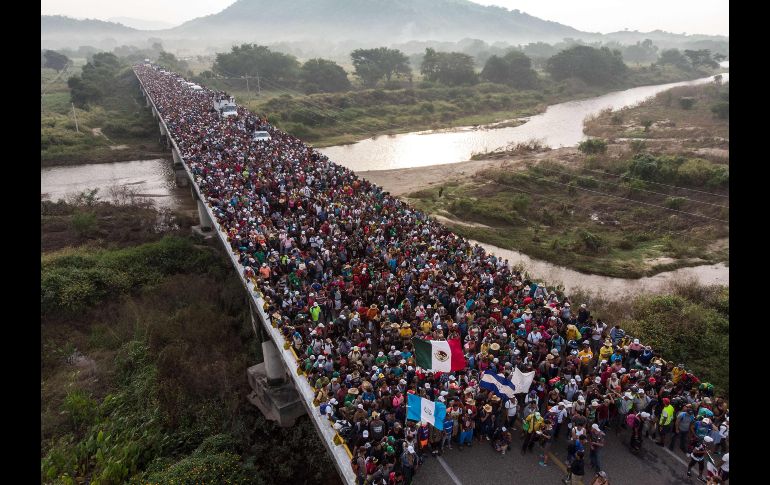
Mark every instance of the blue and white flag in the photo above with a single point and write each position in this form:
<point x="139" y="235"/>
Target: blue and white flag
<point x="419" y="409"/>
<point x="498" y="384"/>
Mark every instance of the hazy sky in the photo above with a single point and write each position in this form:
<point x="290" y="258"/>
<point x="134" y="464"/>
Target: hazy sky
<point x="691" y="16"/>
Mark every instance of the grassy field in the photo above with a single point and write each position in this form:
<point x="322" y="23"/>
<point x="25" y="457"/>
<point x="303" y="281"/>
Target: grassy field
<point x="128" y="395"/>
<point x="340" y="118"/>
<point x="581" y="213"/>
<point x="683" y="115"/>
<point x="118" y="129"/>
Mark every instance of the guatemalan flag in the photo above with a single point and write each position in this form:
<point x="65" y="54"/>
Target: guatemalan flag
<point x="420" y="409"/>
<point x="498" y="384"/>
<point x="439" y="355"/>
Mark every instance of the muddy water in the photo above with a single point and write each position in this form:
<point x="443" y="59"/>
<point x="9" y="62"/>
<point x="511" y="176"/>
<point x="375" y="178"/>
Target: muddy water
<point x="150" y="179"/>
<point x="610" y="287"/>
<point x="560" y="125"/>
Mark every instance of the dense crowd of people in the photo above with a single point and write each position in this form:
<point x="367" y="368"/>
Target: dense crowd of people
<point x="352" y="274"/>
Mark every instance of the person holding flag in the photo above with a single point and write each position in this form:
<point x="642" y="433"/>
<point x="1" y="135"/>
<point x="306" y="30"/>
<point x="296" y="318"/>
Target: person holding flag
<point x="439" y="355"/>
<point x="502" y="387"/>
<point x="424" y="410"/>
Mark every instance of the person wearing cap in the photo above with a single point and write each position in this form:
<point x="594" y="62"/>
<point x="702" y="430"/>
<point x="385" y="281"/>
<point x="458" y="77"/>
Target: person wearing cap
<point x="408" y="464"/>
<point x="502" y="440"/>
<point x="665" y="422"/>
<point x="697" y="456"/>
<point x="596" y="439"/>
<point x="545" y="438"/>
<point x="467" y="425"/>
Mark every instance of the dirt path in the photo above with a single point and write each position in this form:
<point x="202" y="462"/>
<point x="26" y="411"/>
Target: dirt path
<point x="406" y="180"/>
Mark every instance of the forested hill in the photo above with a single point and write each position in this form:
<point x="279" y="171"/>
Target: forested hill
<point x="380" y="20"/>
<point x="359" y="22"/>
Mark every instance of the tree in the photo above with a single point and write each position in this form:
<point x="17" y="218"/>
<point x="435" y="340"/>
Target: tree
<point x="97" y="78"/>
<point x="170" y="62"/>
<point x="322" y="75"/>
<point x="594" y="66"/>
<point x="674" y="58"/>
<point x="701" y="57"/>
<point x="451" y="68"/>
<point x="372" y="65"/>
<point x="644" y="51"/>
<point x="55" y="60"/>
<point x="253" y="60"/>
<point x="514" y="68"/>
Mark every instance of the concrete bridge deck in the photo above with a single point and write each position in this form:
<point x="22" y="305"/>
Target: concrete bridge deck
<point x="275" y="383"/>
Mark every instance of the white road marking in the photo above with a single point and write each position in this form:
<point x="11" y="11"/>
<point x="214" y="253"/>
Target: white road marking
<point x="449" y="471"/>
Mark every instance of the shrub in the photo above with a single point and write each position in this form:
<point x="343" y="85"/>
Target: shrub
<point x="84" y="223"/>
<point x="593" y="146"/>
<point x="721" y="110"/>
<point x="674" y="202"/>
<point x="686" y="102"/>
<point x="587" y="182"/>
<point x="591" y="242"/>
<point x="637" y="146"/>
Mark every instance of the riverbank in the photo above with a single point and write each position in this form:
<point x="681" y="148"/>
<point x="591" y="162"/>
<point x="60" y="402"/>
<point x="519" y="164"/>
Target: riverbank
<point x="522" y="204"/>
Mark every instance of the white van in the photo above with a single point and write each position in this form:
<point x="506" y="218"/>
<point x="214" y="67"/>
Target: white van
<point x="261" y="136"/>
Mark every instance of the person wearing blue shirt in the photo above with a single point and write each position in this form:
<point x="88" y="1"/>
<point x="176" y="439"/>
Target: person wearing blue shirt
<point x="448" y="427"/>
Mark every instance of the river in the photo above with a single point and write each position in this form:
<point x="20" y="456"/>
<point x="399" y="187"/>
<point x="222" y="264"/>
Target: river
<point x="150" y="179"/>
<point x="711" y="274"/>
<point x="559" y="125"/>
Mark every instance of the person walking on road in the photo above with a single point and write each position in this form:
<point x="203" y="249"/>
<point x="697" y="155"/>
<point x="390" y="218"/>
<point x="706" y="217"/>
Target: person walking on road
<point x="665" y="421"/>
<point x="697" y="456"/>
<point x="682" y="425"/>
<point x="597" y="443"/>
<point x="576" y="470"/>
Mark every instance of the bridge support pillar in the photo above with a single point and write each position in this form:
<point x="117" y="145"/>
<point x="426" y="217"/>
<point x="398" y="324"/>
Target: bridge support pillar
<point x="272" y="390"/>
<point x="206" y="223"/>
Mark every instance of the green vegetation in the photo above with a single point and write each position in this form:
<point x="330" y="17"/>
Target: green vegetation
<point x="129" y="397"/>
<point x="601" y="217"/>
<point x="593" y="146"/>
<point x="514" y="69"/>
<point x="594" y="66"/>
<point x="253" y="60"/>
<point x="54" y="60"/>
<point x="690" y="324"/>
<point x="74" y="280"/>
<point x="112" y="123"/>
<point x="450" y="68"/>
<point x="699" y="124"/>
<point x="371" y="65"/>
<point x="323" y="76"/>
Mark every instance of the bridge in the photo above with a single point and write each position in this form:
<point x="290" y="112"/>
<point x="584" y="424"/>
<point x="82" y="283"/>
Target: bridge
<point x="283" y="394"/>
<point x="277" y="390"/>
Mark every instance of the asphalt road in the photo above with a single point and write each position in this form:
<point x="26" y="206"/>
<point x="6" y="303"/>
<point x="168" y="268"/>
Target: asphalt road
<point x="481" y="464"/>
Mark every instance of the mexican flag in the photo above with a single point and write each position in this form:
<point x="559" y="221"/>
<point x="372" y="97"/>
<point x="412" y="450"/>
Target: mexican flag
<point x="439" y="355"/>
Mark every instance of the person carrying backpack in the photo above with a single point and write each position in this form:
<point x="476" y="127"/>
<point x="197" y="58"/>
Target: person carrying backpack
<point x="408" y="464"/>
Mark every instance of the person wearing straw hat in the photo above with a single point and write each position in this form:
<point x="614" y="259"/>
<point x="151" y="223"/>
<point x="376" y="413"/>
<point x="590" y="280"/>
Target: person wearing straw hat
<point x="486" y="421"/>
